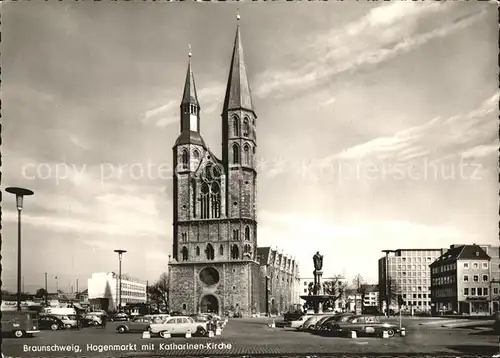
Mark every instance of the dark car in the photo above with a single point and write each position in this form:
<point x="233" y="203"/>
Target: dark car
<point x="330" y="321"/>
<point x="364" y="325"/>
<point x="136" y="324"/>
<point x="50" y="322"/>
<point x="292" y="316"/>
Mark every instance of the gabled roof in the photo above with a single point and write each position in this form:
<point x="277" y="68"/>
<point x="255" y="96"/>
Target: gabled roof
<point x="462" y="252"/>
<point x="238" y="94"/>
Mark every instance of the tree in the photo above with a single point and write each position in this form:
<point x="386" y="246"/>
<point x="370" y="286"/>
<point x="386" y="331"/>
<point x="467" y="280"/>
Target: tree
<point x="159" y="291"/>
<point x="393" y="295"/>
<point x="357" y="283"/>
<point x="41" y="293"/>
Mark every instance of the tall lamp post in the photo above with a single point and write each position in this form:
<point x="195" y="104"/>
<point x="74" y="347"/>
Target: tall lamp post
<point x="57" y="286"/>
<point x="120" y="252"/>
<point x="19" y="193"/>
<point x="386" y="280"/>
<point x="267" y="290"/>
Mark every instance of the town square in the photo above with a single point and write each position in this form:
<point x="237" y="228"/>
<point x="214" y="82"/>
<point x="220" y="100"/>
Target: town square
<point x="295" y="178"/>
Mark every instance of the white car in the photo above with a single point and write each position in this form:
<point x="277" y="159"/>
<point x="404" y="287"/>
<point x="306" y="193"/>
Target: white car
<point x="178" y="325"/>
<point x="299" y="322"/>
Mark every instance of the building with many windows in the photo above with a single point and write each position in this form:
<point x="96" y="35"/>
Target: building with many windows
<point x="460" y="281"/>
<point x="103" y="291"/>
<point x="405" y="276"/>
<point x="370" y="297"/>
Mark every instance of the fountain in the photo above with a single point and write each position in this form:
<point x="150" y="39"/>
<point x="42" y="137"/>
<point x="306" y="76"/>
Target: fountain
<point x="316" y="297"/>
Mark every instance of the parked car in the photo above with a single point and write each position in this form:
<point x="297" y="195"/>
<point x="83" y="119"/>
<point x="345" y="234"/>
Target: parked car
<point x="496" y="325"/>
<point x="364" y="325"/>
<point x="309" y="323"/>
<point x="50" y="322"/>
<point x="179" y="325"/>
<point x="69" y="320"/>
<point x="136" y="324"/>
<point x="91" y="320"/>
<point x="299" y="321"/>
<point x="120" y="316"/>
<point x="292" y="315"/>
<point x="331" y="321"/>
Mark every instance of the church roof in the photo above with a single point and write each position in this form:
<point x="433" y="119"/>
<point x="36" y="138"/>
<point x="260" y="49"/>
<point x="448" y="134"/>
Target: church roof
<point x="189" y="95"/>
<point x="238" y="93"/>
<point x="190" y="137"/>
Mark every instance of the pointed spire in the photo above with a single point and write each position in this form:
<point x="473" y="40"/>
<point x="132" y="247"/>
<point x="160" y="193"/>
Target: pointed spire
<point x="189" y="95"/>
<point x="238" y="93"/>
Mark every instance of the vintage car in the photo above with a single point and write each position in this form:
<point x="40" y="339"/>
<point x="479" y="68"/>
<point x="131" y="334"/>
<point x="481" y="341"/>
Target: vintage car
<point x="311" y="321"/>
<point x="292" y="315"/>
<point x="157" y="317"/>
<point x="19" y="323"/>
<point x="91" y="320"/>
<point x="120" y="316"/>
<point x="364" y="325"/>
<point x="327" y="324"/>
<point x="136" y="324"/>
<point x="299" y="321"/>
<point x="46" y="321"/>
<point x="178" y="325"/>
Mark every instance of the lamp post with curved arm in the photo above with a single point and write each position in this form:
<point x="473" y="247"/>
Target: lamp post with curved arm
<point x="120" y="252"/>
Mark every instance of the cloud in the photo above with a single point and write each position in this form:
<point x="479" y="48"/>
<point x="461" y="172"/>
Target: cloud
<point x="437" y="138"/>
<point x="385" y="32"/>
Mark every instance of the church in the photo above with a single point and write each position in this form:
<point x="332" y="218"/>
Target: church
<point x="215" y="266"/>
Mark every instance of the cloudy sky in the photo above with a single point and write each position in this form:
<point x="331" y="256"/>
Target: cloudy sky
<point x="377" y="128"/>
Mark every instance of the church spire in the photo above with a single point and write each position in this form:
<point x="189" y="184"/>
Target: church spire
<point x="238" y="90"/>
<point x="189" y="96"/>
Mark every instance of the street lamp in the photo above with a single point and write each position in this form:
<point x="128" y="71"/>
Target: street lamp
<point x="57" y="286"/>
<point x="267" y="290"/>
<point x="386" y="279"/>
<point x="120" y="252"/>
<point x="19" y="193"/>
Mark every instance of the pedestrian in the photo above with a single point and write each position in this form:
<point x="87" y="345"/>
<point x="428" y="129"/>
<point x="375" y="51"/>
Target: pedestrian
<point x="104" y="320"/>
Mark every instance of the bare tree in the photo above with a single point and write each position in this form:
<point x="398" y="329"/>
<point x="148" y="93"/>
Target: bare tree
<point x="158" y="292"/>
<point x="358" y="283"/>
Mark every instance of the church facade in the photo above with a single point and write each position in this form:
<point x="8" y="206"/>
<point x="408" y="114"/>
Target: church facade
<point x="214" y="267"/>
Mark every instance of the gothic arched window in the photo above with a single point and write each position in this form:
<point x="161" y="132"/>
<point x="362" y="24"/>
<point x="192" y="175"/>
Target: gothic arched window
<point x="221" y="250"/>
<point x="183" y="237"/>
<point x="196" y="154"/>
<point x="205" y="201"/>
<point x="235" y="253"/>
<point x="236" y="154"/>
<point x="246" y="154"/>
<point x="246" y="128"/>
<point x="215" y="200"/>
<point x="236" y="235"/>
<point x="197" y="251"/>
<point x="185" y="159"/>
<point x="236" y="126"/>
<point x="209" y="252"/>
<point x="247" y="233"/>
<point x="184" y="253"/>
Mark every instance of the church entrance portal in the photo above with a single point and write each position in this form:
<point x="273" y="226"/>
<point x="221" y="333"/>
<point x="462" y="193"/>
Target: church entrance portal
<point x="209" y="304"/>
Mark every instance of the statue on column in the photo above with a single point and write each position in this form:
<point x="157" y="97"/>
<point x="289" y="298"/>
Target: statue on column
<point x="318" y="261"/>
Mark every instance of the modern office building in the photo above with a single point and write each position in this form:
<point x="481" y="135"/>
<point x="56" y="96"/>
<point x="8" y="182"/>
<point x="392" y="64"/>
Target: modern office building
<point x="461" y="281"/>
<point x="103" y="289"/>
<point x="404" y="275"/>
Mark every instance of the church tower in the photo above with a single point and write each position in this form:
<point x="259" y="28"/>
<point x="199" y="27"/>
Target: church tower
<point x="214" y="266"/>
<point x="239" y="145"/>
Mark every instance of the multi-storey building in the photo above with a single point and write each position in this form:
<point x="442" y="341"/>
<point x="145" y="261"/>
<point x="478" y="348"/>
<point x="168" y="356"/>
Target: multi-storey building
<point x="460" y="281"/>
<point x="279" y="276"/>
<point x="404" y="277"/>
<point x="494" y="289"/>
<point x="103" y="291"/>
<point x="370" y="296"/>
